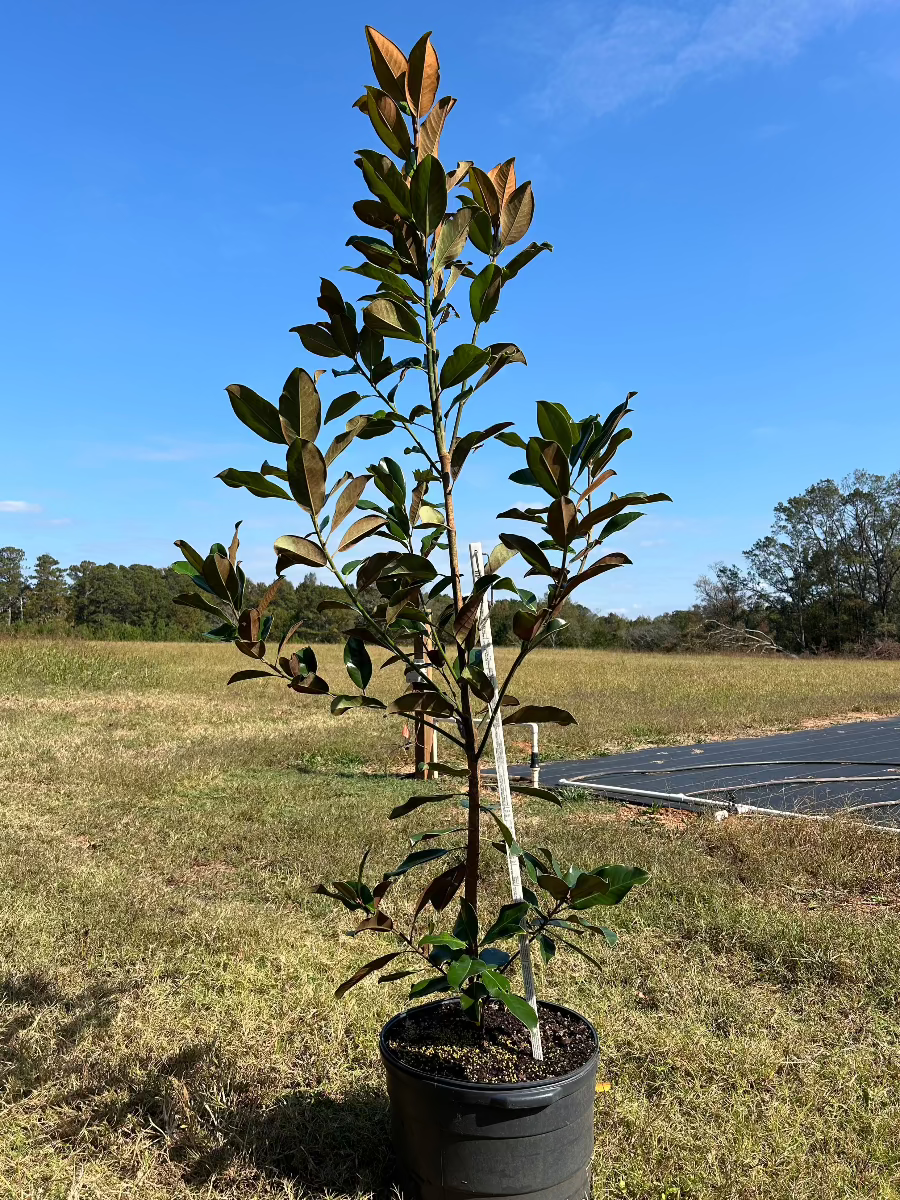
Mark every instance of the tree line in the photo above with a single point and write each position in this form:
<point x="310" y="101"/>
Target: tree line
<point x="826" y="578"/>
<point x="135" y="603"/>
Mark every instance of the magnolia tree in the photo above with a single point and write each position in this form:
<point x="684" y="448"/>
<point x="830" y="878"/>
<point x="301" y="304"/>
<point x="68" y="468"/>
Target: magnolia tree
<point x="441" y="259"/>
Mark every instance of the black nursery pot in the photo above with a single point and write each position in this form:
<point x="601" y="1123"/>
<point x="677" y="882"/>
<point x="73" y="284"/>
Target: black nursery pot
<point x="457" y="1141"/>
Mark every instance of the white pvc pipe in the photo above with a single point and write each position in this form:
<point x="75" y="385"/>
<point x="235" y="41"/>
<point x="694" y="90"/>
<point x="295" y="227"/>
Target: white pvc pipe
<point x="699" y="805"/>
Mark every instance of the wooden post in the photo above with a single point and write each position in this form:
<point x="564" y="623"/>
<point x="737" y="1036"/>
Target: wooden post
<point x="506" y="808"/>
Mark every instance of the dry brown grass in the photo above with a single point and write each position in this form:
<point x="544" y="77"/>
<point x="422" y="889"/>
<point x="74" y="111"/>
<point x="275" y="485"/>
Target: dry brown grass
<point x="166" y="1020"/>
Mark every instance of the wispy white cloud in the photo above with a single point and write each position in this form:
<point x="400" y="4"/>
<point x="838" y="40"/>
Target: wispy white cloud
<point x="154" y="450"/>
<point x="607" y="56"/>
<point x="18" y="506"/>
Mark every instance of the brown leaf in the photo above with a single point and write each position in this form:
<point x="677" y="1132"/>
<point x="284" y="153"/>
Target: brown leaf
<point x="538" y="714"/>
<point x="346" y="502"/>
<point x="598" y="482"/>
<point x="466" y="617"/>
<point x="450" y="239"/>
<point x="608" y="563"/>
<point x="423" y="74"/>
<point x="252" y="649"/>
<point x="269" y="596"/>
<point x="485" y="191"/>
<point x="239" y="676"/>
<point x="306" y="474"/>
<point x="432" y="127"/>
<point x="457" y="176"/>
<point x="248" y="624"/>
<point x="516" y="216"/>
<point x="299" y="407"/>
<point x="389" y="64"/>
<point x="375" y="965"/>
<point x="379" y="922"/>
<point x="360" y="529"/>
<point x="354" y="426"/>
<point x="562" y="520"/>
<point x="233" y="548"/>
<point x="442" y="889"/>
<point x="503" y="177"/>
<point x="293" y="551"/>
<point x="388" y="122"/>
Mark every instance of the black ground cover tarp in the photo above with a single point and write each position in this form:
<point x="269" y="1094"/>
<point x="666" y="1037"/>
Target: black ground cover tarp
<point x="847" y="756"/>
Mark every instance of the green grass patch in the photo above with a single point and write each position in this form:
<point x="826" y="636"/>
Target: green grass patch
<point x="167" y="1026"/>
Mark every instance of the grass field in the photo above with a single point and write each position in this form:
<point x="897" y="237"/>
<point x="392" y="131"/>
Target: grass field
<point x="166" y="1021"/>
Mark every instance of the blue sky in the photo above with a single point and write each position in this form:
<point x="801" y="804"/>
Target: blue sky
<point x="720" y="179"/>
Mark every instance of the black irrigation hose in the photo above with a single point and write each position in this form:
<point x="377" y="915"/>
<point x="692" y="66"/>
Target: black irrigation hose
<point x="742" y="787"/>
<point x="779" y="762"/>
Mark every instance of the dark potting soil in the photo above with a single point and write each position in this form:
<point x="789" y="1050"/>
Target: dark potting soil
<point x="441" y="1041"/>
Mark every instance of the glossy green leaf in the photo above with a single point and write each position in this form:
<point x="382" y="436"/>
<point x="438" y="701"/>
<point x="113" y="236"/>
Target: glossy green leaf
<point x="358" y="662"/>
<point x="618" y="881"/>
<point x="484" y="292"/>
<point x="385" y="181"/>
<point x="390" y="318"/>
<point x="428" y="194"/>
<point x="254" y="482"/>
<point x="555" y="424"/>
<point x="417" y="859"/>
<point x="549" y="465"/>
<point x="508" y="923"/>
<point x="538" y="793"/>
<point x="523" y="258"/>
<point x="466" y="926"/>
<point x="256" y="413"/>
<point x="442" y="939"/>
<point x="458" y="972"/>
<point x="530" y="551"/>
<point x="428" y="987"/>
<point x="317" y="340"/>
<point x="463" y="362"/>
<point x="194" y="600"/>
<point x="341" y="704"/>
<point x="415" y="802"/>
<point x="547" y="947"/>
<point x="520" y="1008"/>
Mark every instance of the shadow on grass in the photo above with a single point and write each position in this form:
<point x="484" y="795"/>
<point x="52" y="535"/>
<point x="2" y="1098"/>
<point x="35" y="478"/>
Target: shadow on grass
<point x="194" y="1106"/>
<point x="214" y="1126"/>
<point x="325" y="1144"/>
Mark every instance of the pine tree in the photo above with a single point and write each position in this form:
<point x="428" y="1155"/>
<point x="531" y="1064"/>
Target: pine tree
<point x="48" y="592"/>
<point x="12" y="583"/>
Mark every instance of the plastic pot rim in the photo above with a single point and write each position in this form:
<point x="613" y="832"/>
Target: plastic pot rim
<point x="391" y="1058"/>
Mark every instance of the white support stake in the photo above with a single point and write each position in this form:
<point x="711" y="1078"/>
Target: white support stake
<point x="506" y="809"/>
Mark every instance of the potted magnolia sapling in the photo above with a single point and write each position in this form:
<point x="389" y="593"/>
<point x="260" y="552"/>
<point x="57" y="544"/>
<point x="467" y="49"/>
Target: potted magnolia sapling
<point x="437" y="256"/>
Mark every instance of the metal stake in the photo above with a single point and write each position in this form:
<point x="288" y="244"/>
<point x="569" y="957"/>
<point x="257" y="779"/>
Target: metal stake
<point x="506" y="809"/>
